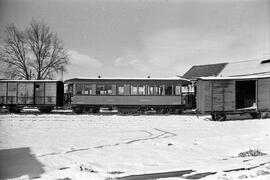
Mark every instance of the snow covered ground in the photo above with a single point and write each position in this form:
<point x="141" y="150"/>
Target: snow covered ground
<point x="78" y="147"/>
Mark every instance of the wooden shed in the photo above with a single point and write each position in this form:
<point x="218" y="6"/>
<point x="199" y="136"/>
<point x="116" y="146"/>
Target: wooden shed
<point x="219" y="96"/>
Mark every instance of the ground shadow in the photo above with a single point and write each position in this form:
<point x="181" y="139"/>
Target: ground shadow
<point x="18" y="162"/>
<point x="156" y="175"/>
<point x="181" y="174"/>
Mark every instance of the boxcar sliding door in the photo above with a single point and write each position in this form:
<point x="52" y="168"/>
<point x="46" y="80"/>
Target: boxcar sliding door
<point x="50" y="93"/>
<point x="39" y="93"/>
<point x="25" y="93"/>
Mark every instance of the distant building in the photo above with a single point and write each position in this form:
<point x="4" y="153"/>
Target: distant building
<point x="207" y="70"/>
<point x="259" y="67"/>
<point x="230" y="69"/>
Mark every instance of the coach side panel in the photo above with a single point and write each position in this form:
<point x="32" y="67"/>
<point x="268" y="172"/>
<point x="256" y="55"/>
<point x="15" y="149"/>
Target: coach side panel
<point x="127" y="100"/>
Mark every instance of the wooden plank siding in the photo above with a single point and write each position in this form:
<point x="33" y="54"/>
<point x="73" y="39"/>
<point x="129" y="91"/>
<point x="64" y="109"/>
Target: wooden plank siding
<point x="215" y="96"/>
<point x="223" y="95"/>
<point x="203" y="98"/>
<point x="263" y="94"/>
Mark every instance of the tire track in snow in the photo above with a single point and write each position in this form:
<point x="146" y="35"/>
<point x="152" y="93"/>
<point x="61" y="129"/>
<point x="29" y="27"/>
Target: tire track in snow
<point x="147" y="132"/>
<point x="49" y="154"/>
<point x="160" y="136"/>
<point x="151" y="136"/>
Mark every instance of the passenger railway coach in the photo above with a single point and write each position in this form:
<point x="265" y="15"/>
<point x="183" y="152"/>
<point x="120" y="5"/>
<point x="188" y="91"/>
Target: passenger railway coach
<point x="43" y="94"/>
<point x="128" y="94"/>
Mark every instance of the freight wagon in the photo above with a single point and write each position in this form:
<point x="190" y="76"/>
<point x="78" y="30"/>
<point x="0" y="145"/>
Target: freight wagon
<point x="43" y="94"/>
<point x="220" y="96"/>
<point x="128" y="94"/>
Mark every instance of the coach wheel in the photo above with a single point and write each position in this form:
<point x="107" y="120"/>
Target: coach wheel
<point x="77" y="110"/>
<point x="158" y="110"/>
<point x="264" y="115"/>
<point x="178" y="111"/>
<point x="14" y="109"/>
<point x="171" y="111"/>
<point x="218" y="116"/>
<point x="95" y="110"/>
<point x="164" y="111"/>
<point x="45" y="109"/>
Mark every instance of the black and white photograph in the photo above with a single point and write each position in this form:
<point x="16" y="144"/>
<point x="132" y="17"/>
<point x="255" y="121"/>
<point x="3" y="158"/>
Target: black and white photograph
<point x="134" y="89"/>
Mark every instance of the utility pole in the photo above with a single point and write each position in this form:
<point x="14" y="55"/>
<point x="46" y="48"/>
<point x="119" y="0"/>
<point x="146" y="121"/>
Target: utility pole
<point x="62" y="73"/>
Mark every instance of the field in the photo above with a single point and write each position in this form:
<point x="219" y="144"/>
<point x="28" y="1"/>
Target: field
<point x="78" y="147"/>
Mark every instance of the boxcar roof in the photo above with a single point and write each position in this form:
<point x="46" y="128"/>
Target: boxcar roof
<point x="9" y="80"/>
<point x="84" y="79"/>
<point x="237" y="77"/>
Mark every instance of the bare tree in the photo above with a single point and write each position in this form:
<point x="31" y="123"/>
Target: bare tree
<point x="37" y="53"/>
<point x="13" y="54"/>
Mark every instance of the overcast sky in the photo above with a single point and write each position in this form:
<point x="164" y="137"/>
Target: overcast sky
<point x="137" y="38"/>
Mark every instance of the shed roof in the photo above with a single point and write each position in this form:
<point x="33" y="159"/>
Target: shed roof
<point x="245" y="68"/>
<point x="248" y="77"/>
<point x="204" y="70"/>
<point x="239" y="68"/>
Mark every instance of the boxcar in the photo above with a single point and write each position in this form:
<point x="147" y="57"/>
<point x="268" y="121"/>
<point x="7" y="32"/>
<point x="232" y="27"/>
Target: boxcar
<point x="219" y="96"/>
<point x="127" y="94"/>
<point x="44" y="94"/>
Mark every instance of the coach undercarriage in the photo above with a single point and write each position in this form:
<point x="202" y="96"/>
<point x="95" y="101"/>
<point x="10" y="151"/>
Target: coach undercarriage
<point x="130" y="109"/>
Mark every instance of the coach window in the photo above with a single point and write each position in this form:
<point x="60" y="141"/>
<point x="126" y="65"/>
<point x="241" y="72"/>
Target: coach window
<point x="159" y="90"/>
<point x="79" y="89"/>
<point x="177" y="90"/>
<point x="142" y="90"/>
<point x="173" y="90"/>
<point x="108" y="89"/>
<point x="151" y="90"/>
<point x="120" y="90"/>
<point x="100" y="89"/>
<point x="133" y="90"/>
<point x="87" y="89"/>
<point x="168" y="90"/>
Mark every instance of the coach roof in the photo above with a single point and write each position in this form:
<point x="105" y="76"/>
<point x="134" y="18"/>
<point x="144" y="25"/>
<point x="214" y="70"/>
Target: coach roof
<point x="84" y="79"/>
